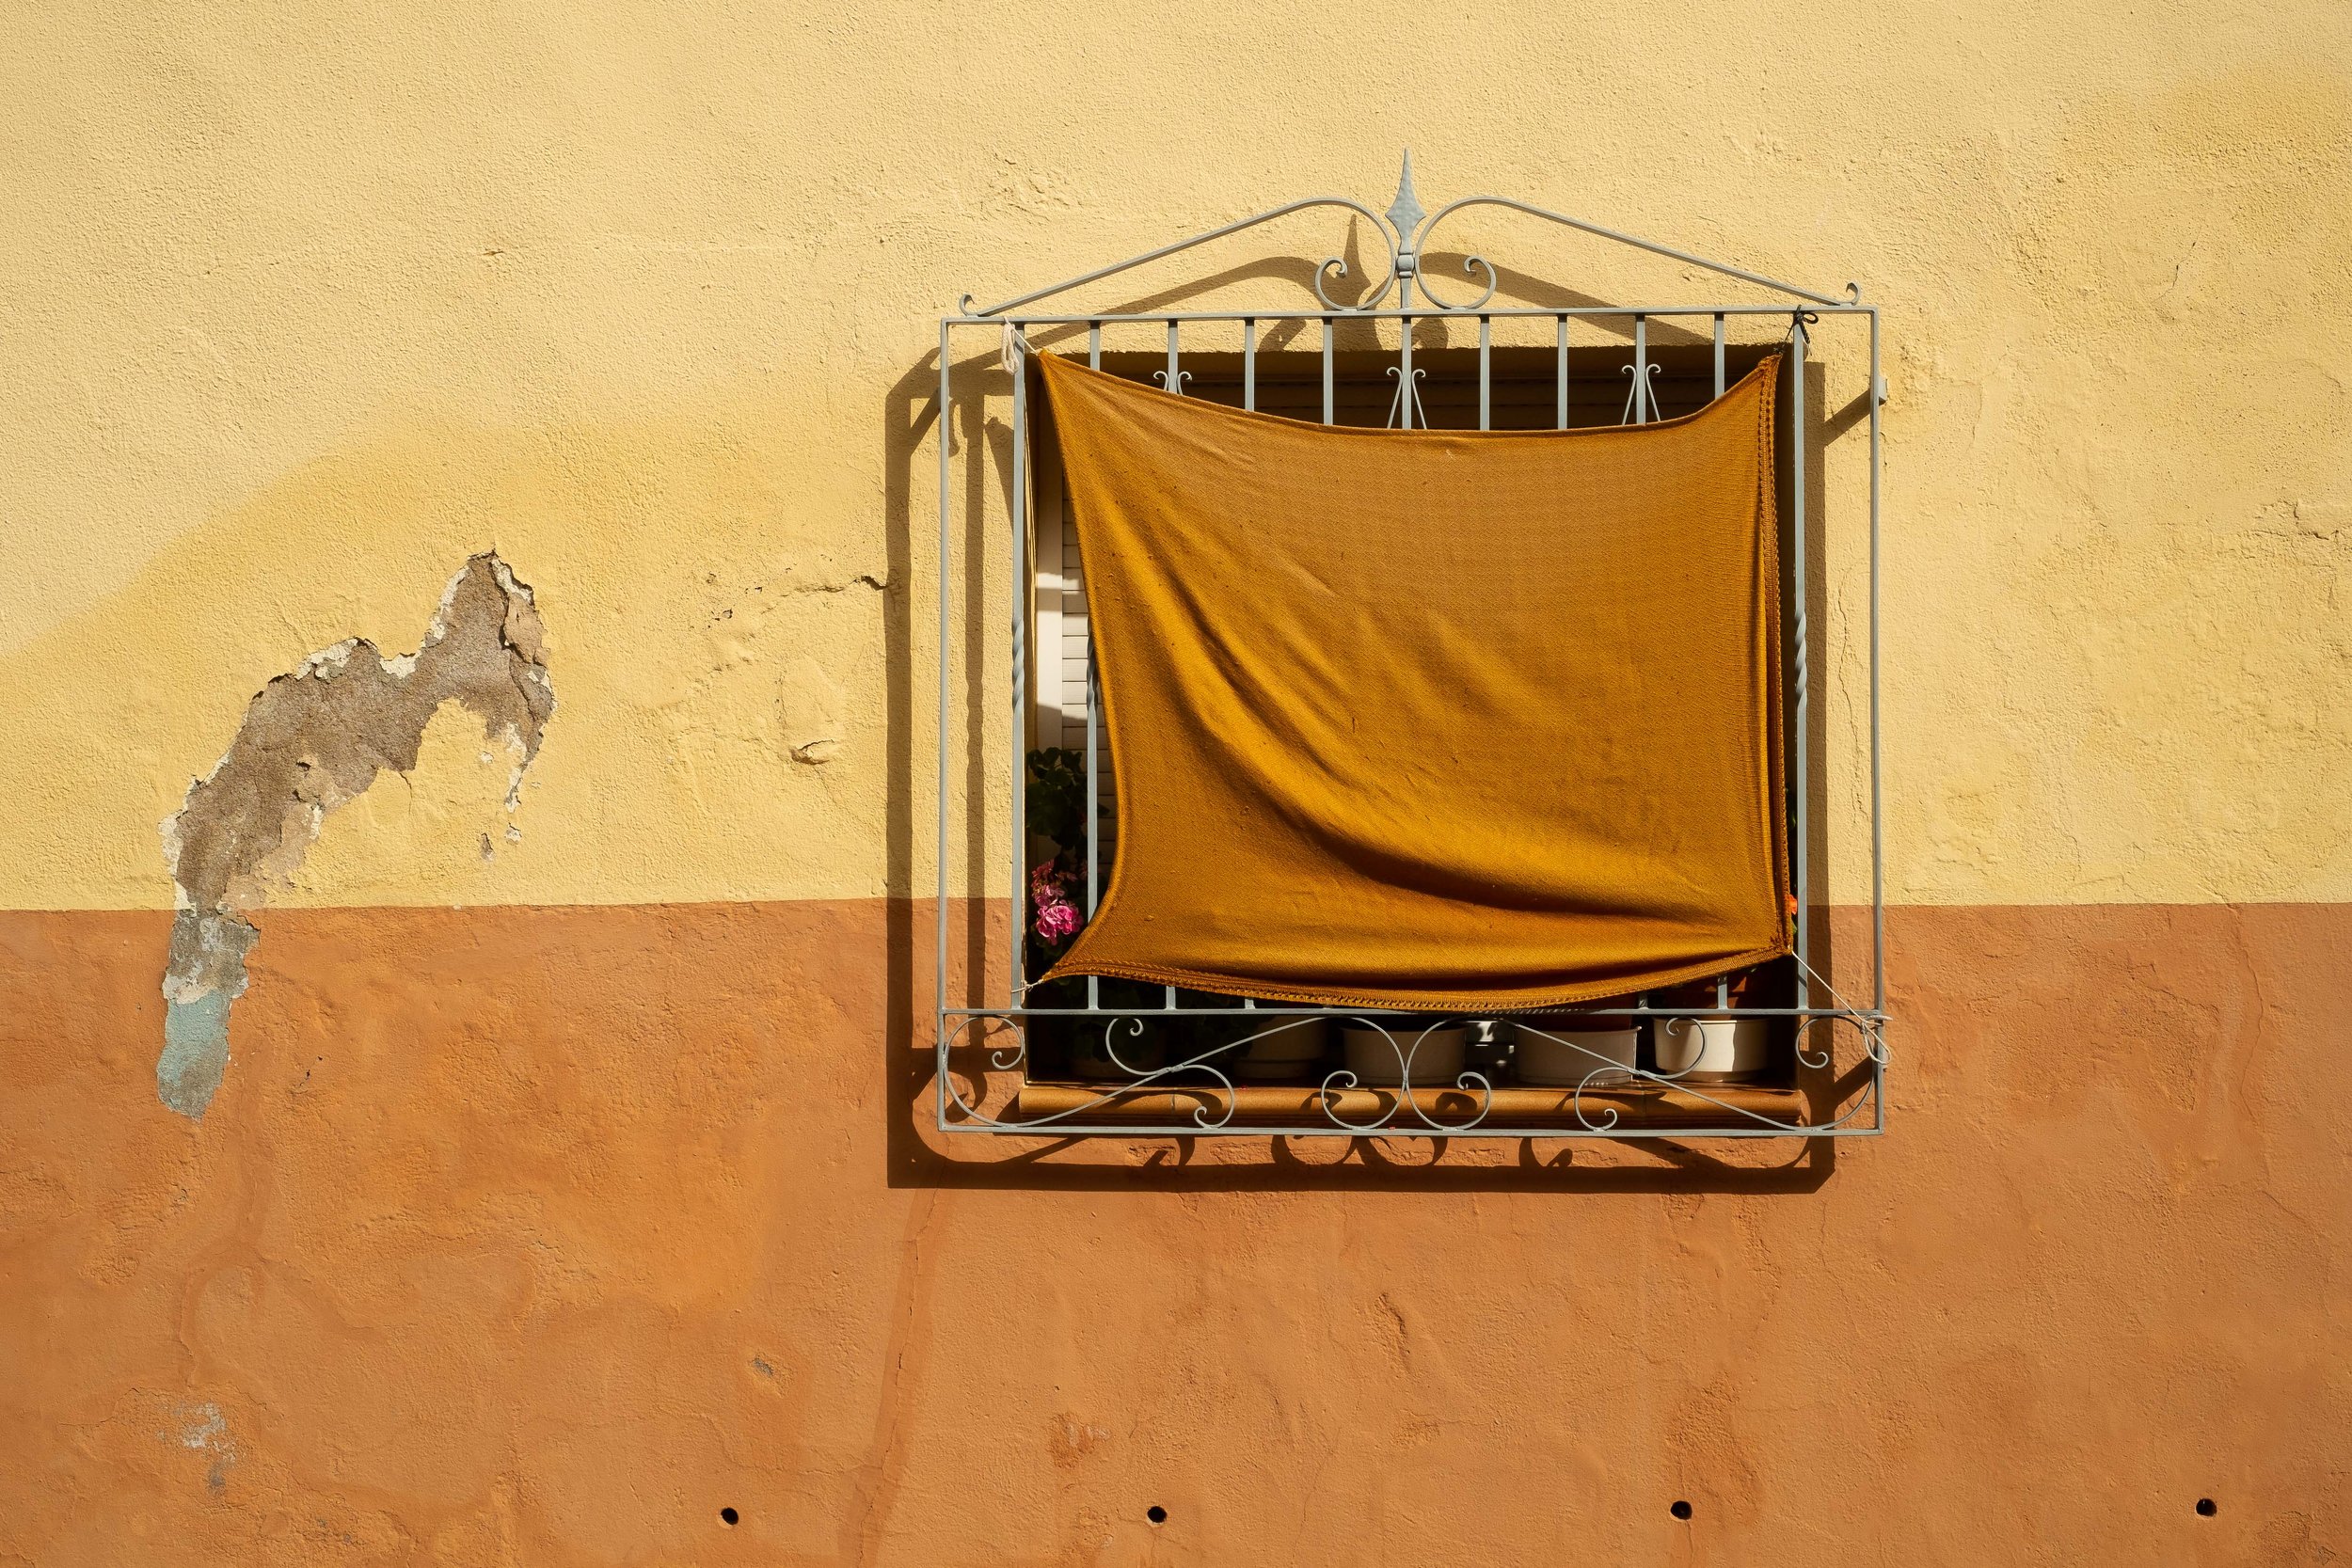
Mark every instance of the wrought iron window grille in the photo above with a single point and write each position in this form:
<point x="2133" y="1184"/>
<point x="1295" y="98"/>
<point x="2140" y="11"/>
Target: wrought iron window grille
<point x="985" y="1055"/>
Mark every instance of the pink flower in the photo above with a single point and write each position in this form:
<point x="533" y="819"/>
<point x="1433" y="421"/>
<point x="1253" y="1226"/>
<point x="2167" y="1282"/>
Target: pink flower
<point x="1058" y="921"/>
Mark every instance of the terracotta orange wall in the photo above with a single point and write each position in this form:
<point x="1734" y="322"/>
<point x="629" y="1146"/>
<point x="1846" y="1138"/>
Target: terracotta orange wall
<point x="541" y="1235"/>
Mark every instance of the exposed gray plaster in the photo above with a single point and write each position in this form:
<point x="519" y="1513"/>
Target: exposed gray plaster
<point x="312" y="740"/>
<point x="202" y="1429"/>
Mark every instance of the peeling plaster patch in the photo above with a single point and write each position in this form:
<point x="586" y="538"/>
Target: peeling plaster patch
<point x="196" y="1046"/>
<point x="311" y="740"/>
<point x="203" y="1429"/>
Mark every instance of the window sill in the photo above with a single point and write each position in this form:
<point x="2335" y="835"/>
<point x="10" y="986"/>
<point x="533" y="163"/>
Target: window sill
<point x="1634" y="1107"/>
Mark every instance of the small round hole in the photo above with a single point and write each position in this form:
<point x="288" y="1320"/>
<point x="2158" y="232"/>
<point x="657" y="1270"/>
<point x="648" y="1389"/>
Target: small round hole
<point x="1681" y="1509"/>
<point x="728" y="1516"/>
<point x="2207" y="1507"/>
<point x="1157" y="1515"/>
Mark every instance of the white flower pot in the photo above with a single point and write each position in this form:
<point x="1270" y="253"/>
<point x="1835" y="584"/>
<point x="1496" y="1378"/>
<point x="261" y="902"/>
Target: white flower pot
<point x="1563" y="1058"/>
<point x="1711" y="1049"/>
<point x="1378" y="1059"/>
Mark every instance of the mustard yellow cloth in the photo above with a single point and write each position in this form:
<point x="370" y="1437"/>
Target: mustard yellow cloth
<point x="1427" y="718"/>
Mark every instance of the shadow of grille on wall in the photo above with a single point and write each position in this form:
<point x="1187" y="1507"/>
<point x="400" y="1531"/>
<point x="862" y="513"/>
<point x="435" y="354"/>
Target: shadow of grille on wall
<point x="1779" y="1052"/>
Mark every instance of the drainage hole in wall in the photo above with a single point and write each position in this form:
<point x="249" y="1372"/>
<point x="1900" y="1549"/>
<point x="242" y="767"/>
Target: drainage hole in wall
<point x="2207" y="1507"/>
<point x="1157" y="1515"/>
<point x="728" y="1516"/>
<point x="1681" y="1509"/>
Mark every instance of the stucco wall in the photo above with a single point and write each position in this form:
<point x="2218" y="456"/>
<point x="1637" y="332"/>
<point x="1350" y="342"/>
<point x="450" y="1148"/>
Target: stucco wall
<point x="566" y="1185"/>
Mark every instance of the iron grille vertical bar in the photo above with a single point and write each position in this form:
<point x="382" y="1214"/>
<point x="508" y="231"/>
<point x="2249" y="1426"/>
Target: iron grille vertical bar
<point x="1563" y="356"/>
<point x="1718" y="354"/>
<point x="1020" y="661"/>
<point x="1405" y="374"/>
<point x="946" y="474"/>
<point x="1094" y="706"/>
<point x="1486" y="372"/>
<point x="1326" y="369"/>
<point x="1250" y="362"/>
<point x="1797" y="591"/>
<point x="1095" y="805"/>
<point x="1175" y="385"/>
<point x="1641" y="370"/>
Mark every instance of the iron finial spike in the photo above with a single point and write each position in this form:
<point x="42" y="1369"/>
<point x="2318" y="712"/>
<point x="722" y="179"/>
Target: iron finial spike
<point x="1404" y="213"/>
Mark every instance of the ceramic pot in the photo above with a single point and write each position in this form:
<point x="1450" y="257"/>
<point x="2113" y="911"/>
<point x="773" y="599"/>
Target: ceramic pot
<point x="1287" y="1049"/>
<point x="1714" y="1049"/>
<point x="1598" y="1049"/>
<point x="1378" y="1059"/>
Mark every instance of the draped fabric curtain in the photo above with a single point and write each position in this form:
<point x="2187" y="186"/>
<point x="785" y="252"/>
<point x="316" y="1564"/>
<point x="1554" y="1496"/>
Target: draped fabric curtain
<point x="1431" y="719"/>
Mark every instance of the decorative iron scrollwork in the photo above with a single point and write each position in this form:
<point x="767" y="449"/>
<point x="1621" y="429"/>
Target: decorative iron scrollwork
<point x="1397" y="1108"/>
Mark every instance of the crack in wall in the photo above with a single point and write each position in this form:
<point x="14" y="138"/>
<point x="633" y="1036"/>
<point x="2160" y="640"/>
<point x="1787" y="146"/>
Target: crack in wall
<point x="311" y="740"/>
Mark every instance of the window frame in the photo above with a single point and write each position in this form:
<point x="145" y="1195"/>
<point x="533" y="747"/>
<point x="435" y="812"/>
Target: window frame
<point x="978" y="1045"/>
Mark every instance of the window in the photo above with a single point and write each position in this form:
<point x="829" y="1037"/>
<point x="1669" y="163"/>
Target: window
<point x="1101" y="1056"/>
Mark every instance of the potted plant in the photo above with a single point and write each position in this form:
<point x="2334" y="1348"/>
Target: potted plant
<point x="1378" y="1049"/>
<point x="1277" y="1052"/>
<point x="1099" y="1049"/>
<point x="1568" y="1050"/>
<point x="1713" y="1050"/>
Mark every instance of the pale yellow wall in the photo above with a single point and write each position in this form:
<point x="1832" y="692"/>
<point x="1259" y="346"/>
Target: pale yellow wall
<point x="306" y="304"/>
